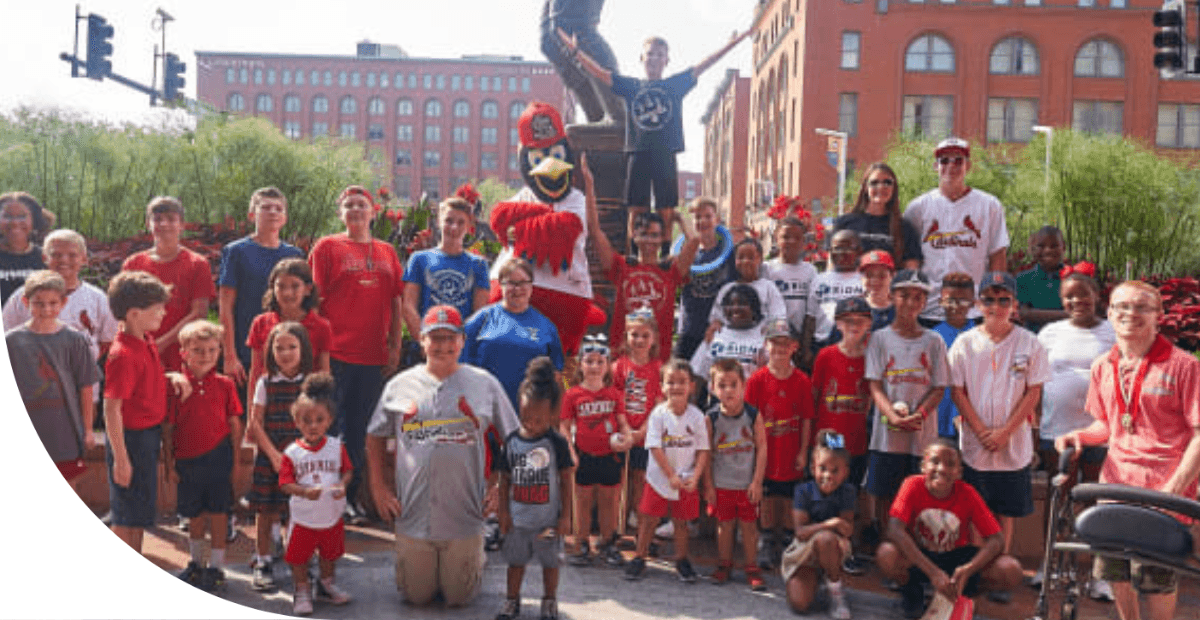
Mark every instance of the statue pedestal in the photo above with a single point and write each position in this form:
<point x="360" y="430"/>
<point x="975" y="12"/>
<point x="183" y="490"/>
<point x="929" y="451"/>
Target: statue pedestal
<point x="604" y="145"/>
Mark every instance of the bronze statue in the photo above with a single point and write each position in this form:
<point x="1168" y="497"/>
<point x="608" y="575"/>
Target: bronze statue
<point x="578" y="18"/>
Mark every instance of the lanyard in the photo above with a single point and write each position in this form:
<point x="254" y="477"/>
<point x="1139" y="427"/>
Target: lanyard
<point x="1128" y="410"/>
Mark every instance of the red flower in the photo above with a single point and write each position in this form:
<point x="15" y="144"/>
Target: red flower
<point x="383" y="193"/>
<point x="394" y="216"/>
<point x="467" y="193"/>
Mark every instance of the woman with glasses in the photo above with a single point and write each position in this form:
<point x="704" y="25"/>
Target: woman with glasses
<point x="876" y="218"/>
<point x="504" y="337"/>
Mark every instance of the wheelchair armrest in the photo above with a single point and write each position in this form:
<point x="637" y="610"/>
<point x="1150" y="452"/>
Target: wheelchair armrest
<point x="1091" y="492"/>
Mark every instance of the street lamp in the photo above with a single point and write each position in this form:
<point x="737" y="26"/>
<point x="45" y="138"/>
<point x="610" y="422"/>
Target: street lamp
<point x="1049" y="131"/>
<point x="841" y="165"/>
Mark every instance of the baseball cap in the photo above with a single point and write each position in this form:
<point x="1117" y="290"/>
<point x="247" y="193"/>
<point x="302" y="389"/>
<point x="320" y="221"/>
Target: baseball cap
<point x="998" y="279"/>
<point x="876" y="257"/>
<point x="952" y="144"/>
<point x="851" y="305"/>
<point x="776" y="328"/>
<point x="442" y="317"/>
<point x="911" y="278"/>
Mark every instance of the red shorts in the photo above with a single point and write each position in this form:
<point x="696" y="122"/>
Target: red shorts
<point x="71" y="469"/>
<point x="687" y="507"/>
<point x="303" y="541"/>
<point x="734" y="505"/>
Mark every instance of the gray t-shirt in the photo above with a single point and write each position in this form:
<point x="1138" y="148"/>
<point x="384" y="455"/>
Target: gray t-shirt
<point x="534" y="467"/>
<point x="441" y="429"/>
<point x="733" y="452"/>
<point x="50" y="369"/>
<point x="908" y="368"/>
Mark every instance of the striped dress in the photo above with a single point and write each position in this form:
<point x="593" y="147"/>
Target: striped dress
<point x="277" y="422"/>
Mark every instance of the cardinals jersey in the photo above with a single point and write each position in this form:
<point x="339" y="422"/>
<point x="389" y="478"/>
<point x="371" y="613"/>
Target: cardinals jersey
<point x="908" y="369"/>
<point x="942" y="524"/>
<point x="320" y="466"/>
<point x="575" y="278"/>
<point x="734" y="453"/>
<point x="680" y="437"/>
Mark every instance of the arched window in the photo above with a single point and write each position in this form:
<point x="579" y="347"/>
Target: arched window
<point x="1099" y="58"/>
<point x="929" y="53"/>
<point x="489" y="109"/>
<point x="264" y="103"/>
<point x="320" y="104"/>
<point x="462" y="109"/>
<point x="433" y="107"/>
<point x="291" y="103"/>
<point x="1014" y="56"/>
<point x="375" y="106"/>
<point x="348" y="105"/>
<point x="515" y="109"/>
<point x="404" y="107"/>
<point x="237" y="102"/>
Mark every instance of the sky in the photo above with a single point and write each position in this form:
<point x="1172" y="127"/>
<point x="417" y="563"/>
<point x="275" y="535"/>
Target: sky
<point x="36" y="76"/>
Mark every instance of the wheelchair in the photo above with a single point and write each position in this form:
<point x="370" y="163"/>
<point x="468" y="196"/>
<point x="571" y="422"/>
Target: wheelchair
<point x="1121" y="522"/>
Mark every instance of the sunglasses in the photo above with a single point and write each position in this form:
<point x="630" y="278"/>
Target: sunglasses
<point x="946" y="161"/>
<point x="994" y="301"/>
<point x="879" y="182"/>
<point x="515" y="283"/>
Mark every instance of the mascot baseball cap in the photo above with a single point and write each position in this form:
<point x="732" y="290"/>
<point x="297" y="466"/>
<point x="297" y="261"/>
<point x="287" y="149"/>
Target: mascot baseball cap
<point x="540" y="126"/>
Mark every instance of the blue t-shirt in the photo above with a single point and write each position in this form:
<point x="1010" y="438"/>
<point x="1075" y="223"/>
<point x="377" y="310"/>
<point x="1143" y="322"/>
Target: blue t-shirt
<point x="946" y="409"/>
<point x="445" y="279"/>
<point x="654" y="109"/>
<point x="881" y="317"/>
<point x="821" y="507"/>
<point x="504" y="343"/>
<point x="246" y="267"/>
<point x="699" y="293"/>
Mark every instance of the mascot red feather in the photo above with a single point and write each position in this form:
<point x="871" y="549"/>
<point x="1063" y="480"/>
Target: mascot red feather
<point x="546" y="224"/>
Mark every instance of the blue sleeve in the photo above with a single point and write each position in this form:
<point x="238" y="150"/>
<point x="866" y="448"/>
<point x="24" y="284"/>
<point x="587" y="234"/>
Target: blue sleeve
<point x="229" y="272"/>
<point x="623" y="86"/>
<point x="479" y="266"/>
<point x="470" y="352"/>
<point x="555" y="346"/>
<point x="682" y="83"/>
<point x="801" y="497"/>
<point x="414" y="270"/>
<point x="291" y="251"/>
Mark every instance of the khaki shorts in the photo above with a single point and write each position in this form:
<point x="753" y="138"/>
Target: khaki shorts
<point x="804" y="553"/>
<point x="1145" y="578"/>
<point x="452" y="567"/>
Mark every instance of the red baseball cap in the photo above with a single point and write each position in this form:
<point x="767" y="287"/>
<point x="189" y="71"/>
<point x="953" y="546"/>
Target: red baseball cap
<point x="442" y="317"/>
<point x="876" y="257"/>
<point x="540" y="126"/>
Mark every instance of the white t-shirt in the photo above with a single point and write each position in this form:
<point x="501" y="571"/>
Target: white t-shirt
<point x="795" y="283"/>
<point x="575" y="280"/>
<point x="769" y="299"/>
<point x="743" y="345"/>
<point x="829" y="288"/>
<point x="322" y="468"/>
<point x="996" y="376"/>
<point x="680" y="437"/>
<point x="908" y="368"/>
<point x="956" y="236"/>
<point x="86" y="311"/>
<point x="1070" y="351"/>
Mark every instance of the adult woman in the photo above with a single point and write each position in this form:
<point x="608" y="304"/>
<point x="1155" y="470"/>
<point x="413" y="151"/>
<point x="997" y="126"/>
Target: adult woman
<point x="439" y="414"/>
<point x="23" y="222"/>
<point x="502" y="338"/>
<point x="359" y="279"/>
<point x="876" y="218"/>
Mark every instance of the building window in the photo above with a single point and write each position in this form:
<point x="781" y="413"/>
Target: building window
<point x="512" y="162"/>
<point x="370" y="80"/>
<point x="270" y="77"/>
<point x="468" y="82"/>
<point x="433" y="108"/>
<point x="320" y="104"/>
<point x="1087" y="3"/>
<point x="355" y="79"/>
<point x="244" y="75"/>
<point x="399" y="80"/>
<point x="455" y="82"/>
<point x="236" y="103"/>
<point x="404" y="107"/>
<point x="404" y="133"/>
<point x="1011" y="120"/>
<point x="348" y="105"/>
<point x="1014" y="56"/>
<point x="512" y="84"/>
<point x="431" y="186"/>
<point x="403" y="157"/>
<point x="375" y="106"/>
<point x="1099" y="58"/>
<point x="848" y="113"/>
<point x="441" y="82"/>
<point x="341" y="78"/>
<point x="487" y="160"/>
<point x="291" y="103"/>
<point x="462" y="135"/>
<point x="348" y="130"/>
<point x="515" y="109"/>
<point x="230" y="75"/>
<point x="258" y="76"/>
<point x="264" y="103"/>
<point x="403" y="187"/>
<point x="427" y="81"/>
<point x="496" y="83"/>
<point x="328" y="78"/>
<point x="433" y="133"/>
<point x="433" y="159"/>
<point x="320" y="130"/>
<point x="291" y="129"/>
<point x="489" y="109"/>
<point x="375" y="132"/>
<point x="1178" y="126"/>
<point x="412" y="80"/>
<point x="300" y="77"/>
<point x="513" y="138"/>
<point x="483" y="84"/>
<point x="487" y="135"/>
<point x="525" y="85"/>
<point x="286" y="77"/>
<point x="312" y="78"/>
<point x="462" y="109"/>
<point x="1116" y="4"/>
<point x="1098" y="116"/>
<point x="930" y="53"/>
<point x="927" y="116"/>
<point x="850" y="49"/>
<point x="460" y="159"/>
<point x="383" y="80"/>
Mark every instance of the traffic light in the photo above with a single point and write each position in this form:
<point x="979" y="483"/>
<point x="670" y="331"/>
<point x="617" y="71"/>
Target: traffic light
<point x="100" y="47"/>
<point x="1170" y="41"/>
<point x="173" y="78"/>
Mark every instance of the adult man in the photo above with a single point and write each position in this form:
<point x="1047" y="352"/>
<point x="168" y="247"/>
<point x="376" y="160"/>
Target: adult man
<point x="1143" y="396"/>
<point x="961" y="228"/>
<point x="440" y="414"/>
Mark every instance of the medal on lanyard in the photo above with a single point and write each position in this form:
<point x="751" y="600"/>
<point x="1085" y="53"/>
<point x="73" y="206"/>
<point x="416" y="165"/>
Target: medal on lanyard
<point x="1128" y="410"/>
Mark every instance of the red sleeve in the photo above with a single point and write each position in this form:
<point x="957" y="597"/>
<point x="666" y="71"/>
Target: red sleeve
<point x="201" y="283"/>
<point x="121" y="374"/>
<point x="979" y="515"/>
<point x="818" y="375"/>
<point x="752" y="391"/>
<point x="322" y="334"/>
<point x="805" y="405"/>
<point x="618" y="376"/>
<point x="233" y="406"/>
<point x="256" y="337"/>
<point x="287" y="470"/>
<point x="397" y="269"/>
<point x="906" y="503"/>
<point x="347" y="466"/>
<point x="317" y="260"/>
<point x="618" y="270"/>
<point x="618" y="397"/>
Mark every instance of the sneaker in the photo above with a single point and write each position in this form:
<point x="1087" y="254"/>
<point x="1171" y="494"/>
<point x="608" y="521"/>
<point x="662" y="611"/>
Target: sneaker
<point x="549" y="609"/>
<point x="755" y="579"/>
<point x="184" y="523"/>
<point x="912" y="600"/>
<point x="636" y="569"/>
<point x="493" y="540"/>
<point x="583" y="556"/>
<point x="687" y="574"/>
<point x="263" y="578"/>
<point x="302" y="602"/>
<point x="764" y="554"/>
<point x="354" y="514"/>
<point x="329" y="591"/>
<point x="511" y="609"/>
<point x="1100" y="590"/>
<point x="721" y="575"/>
<point x="193" y="575"/>
<point x="612" y="556"/>
<point x="1001" y="597"/>
<point x="212" y="579"/>
<point x="666" y="530"/>
<point x="838" y="609"/>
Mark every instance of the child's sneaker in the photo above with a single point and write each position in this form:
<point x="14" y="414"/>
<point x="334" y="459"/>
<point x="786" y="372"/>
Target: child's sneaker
<point x="755" y="579"/>
<point x="612" y="556"/>
<point x="764" y="553"/>
<point x="549" y="609"/>
<point x="212" y="579"/>
<point x="912" y="600"/>
<point x="853" y="566"/>
<point x="511" y="609"/>
<point x="636" y="569"/>
<point x="302" y="602"/>
<point x="838" y="609"/>
<point x="687" y="574"/>
<point x="583" y="556"/>
<point x="721" y="575"/>
<point x="327" y="590"/>
<point x="263" y="578"/>
<point x="193" y="575"/>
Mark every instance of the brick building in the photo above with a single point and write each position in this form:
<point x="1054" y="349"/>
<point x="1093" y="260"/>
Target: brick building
<point x="725" y="140"/>
<point x="986" y="70"/>
<point x="440" y="122"/>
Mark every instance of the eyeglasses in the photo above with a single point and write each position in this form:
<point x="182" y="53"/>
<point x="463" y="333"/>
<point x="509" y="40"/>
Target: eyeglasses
<point x="516" y="283"/>
<point x="1128" y="308"/>
<point x="946" y="161"/>
<point x="883" y="182"/>
<point x="996" y="301"/>
<point x="956" y="303"/>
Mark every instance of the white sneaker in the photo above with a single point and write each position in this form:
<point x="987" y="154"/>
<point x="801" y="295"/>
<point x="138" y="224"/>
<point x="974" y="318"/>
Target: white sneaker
<point x="838" y="609"/>
<point x="666" y="530"/>
<point x="1100" y="590"/>
<point x="302" y="604"/>
<point x="327" y="590"/>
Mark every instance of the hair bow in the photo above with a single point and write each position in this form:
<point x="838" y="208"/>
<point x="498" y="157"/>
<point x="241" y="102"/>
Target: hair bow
<point x="835" y="441"/>
<point x="1082" y="268"/>
<point x="594" y="343"/>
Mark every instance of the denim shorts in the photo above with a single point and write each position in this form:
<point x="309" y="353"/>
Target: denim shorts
<point x="136" y="504"/>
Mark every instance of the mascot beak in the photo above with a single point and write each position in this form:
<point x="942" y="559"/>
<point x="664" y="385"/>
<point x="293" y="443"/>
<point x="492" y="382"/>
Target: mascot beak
<point x="551" y="168"/>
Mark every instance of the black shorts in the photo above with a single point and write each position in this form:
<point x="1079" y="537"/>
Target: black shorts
<point x="651" y="170"/>
<point x="887" y="471"/>
<point x="948" y="562"/>
<point x="204" y="485"/>
<point x="602" y="470"/>
<point x="858" y="470"/>
<point x="639" y="457"/>
<point x="780" y="488"/>
<point x="136" y="504"/>
<point x="1006" y="493"/>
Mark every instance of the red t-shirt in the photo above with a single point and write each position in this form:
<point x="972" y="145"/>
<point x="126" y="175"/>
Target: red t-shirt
<point x="940" y="525"/>
<point x="190" y="277"/>
<point x="202" y="421"/>
<point x="595" y="414"/>
<point x="358" y="284"/>
<point x="644" y="285"/>
<point x="843" y="397"/>
<point x="641" y="386"/>
<point x="320" y="333"/>
<point x="134" y="375"/>
<point x="783" y="404"/>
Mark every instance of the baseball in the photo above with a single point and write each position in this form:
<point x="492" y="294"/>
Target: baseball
<point x="616" y="441"/>
<point x="900" y="407"/>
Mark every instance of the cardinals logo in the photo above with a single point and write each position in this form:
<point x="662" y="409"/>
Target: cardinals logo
<point x="968" y="237"/>
<point x="86" y="322"/>
<point x="969" y="225"/>
<point x="466" y="410"/>
<point x="937" y="530"/>
<point x="924" y="361"/>
<point x="408" y="411"/>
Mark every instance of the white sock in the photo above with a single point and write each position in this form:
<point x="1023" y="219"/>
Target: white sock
<point x="275" y="531"/>
<point x="216" y="558"/>
<point x="835" y="587"/>
<point x="196" y="546"/>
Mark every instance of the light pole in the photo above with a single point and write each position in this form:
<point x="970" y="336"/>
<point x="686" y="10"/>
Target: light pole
<point x="841" y="165"/>
<point x="1049" y="131"/>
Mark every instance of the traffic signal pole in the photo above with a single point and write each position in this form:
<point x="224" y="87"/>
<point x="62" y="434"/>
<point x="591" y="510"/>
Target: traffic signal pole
<point x="98" y="64"/>
<point x="124" y="81"/>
